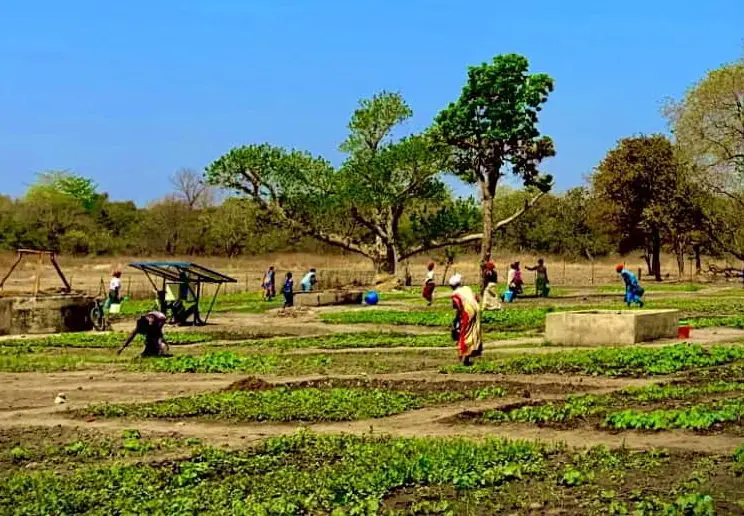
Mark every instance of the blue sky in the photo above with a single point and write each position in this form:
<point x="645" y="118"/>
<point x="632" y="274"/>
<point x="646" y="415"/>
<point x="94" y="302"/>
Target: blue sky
<point x="129" y="92"/>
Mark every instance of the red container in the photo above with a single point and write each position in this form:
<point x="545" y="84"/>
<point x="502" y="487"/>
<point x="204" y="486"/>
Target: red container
<point x="684" y="332"/>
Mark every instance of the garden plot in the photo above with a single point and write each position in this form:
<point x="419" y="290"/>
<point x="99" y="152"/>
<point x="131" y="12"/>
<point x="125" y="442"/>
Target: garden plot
<point x="706" y="407"/>
<point x="329" y="399"/>
<point x="312" y="474"/>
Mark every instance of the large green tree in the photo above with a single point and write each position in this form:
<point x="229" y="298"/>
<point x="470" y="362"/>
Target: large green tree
<point x="643" y="188"/>
<point x="358" y="207"/>
<point x="708" y="124"/>
<point x="491" y="130"/>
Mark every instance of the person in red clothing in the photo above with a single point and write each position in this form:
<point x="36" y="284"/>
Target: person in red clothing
<point x="429" y="284"/>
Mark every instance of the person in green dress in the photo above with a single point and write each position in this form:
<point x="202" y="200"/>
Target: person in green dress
<point x="542" y="283"/>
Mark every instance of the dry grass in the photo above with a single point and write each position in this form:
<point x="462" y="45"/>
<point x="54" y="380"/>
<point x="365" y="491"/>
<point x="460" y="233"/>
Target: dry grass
<point x="88" y="273"/>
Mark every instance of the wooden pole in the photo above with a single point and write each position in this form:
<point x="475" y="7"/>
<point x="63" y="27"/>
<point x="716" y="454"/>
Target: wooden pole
<point x="564" y="272"/>
<point x="592" y="273"/>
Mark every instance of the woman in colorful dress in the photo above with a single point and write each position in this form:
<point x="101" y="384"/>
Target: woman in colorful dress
<point x="467" y="324"/>
<point x="491" y="299"/>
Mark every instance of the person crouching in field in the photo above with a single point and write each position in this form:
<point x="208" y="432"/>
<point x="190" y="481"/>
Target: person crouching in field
<point x="491" y="299"/>
<point x="466" y="328"/>
<point x="151" y="326"/>
<point x="288" y="291"/>
<point x="427" y="292"/>
<point x="633" y="289"/>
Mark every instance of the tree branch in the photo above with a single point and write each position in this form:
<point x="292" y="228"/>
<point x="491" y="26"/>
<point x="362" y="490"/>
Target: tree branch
<point x="527" y="205"/>
<point x="472" y="237"/>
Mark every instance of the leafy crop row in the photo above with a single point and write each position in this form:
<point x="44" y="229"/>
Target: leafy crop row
<point x="287" y="404"/>
<point x="623" y="361"/>
<point x="368" y="340"/>
<point x="97" y="340"/>
<point x="82" y="449"/>
<point x="515" y="320"/>
<point x="696" y="417"/>
<point x="310" y="474"/>
<point x="230" y="362"/>
<point x="301" y="474"/>
<point x="522" y="318"/>
<point x="586" y="406"/>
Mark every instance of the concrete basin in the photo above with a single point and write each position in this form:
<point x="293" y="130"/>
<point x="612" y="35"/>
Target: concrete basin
<point x="610" y="327"/>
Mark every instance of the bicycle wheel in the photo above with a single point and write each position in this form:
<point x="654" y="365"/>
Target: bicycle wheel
<point x="97" y="317"/>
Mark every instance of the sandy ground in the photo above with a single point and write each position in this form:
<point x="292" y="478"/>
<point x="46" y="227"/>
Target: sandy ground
<point x="28" y="400"/>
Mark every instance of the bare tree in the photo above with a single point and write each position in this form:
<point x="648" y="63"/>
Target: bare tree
<point x="190" y="188"/>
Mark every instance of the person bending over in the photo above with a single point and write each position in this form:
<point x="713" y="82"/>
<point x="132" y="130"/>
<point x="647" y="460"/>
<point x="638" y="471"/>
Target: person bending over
<point x="151" y="327"/>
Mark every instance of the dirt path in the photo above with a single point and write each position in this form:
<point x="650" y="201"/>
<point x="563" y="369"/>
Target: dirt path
<point x="27" y="400"/>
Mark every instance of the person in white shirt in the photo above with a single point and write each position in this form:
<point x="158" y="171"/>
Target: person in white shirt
<point x="114" y="294"/>
<point x="429" y="284"/>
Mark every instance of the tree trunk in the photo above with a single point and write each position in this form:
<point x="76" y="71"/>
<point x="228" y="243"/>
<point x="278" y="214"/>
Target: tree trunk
<point x="647" y="258"/>
<point x="656" y="254"/>
<point x="387" y="262"/>
<point x="698" y="263"/>
<point x="680" y="262"/>
<point x="487" y="240"/>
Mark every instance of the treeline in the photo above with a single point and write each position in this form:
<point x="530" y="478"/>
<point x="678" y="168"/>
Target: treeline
<point x="64" y="212"/>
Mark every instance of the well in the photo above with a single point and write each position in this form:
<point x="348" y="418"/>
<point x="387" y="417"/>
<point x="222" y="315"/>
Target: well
<point x="610" y="327"/>
<point x="45" y="314"/>
<point x="329" y="298"/>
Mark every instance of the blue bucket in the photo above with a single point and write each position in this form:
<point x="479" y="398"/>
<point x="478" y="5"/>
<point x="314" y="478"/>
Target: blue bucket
<point x="508" y="296"/>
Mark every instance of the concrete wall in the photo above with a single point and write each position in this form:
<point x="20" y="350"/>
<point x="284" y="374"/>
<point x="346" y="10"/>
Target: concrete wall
<point x="610" y="327"/>
<point x="45" y="314"/>
<point x="329" y="298"/>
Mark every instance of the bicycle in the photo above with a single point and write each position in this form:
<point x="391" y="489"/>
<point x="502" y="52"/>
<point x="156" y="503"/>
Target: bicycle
<point x="99" y="316"/>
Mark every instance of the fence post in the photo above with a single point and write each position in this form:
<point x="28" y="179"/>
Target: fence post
<point x="592" y="273"/>
<point x="564" y="272"/>
<point x="640" y="273"/>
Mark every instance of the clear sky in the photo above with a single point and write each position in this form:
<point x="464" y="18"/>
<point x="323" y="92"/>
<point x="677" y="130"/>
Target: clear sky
<point x="128" y="92"/>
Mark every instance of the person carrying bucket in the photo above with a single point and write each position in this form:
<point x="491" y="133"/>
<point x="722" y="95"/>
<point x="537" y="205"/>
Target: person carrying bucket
<point x="633" y="290"/>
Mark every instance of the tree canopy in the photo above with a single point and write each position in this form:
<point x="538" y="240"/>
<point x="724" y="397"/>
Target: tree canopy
<point x="491" y="129"/>
<point x="360" y="206"/>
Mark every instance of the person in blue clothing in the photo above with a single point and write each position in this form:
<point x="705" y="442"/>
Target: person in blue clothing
<point x="288" y="291"/>
<point x="633" y="290"/>
<point x="309" y="281"/>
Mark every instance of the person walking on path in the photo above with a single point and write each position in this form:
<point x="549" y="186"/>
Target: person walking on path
<point x="542" y="283"/>
<point x="269" y="284"/>
<point x="288" y="291"/>
<point x="466" y="328"/>
<point x="633" y="290"/>
<point x="429" y="284"/>
<point x="491" y="299"/>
